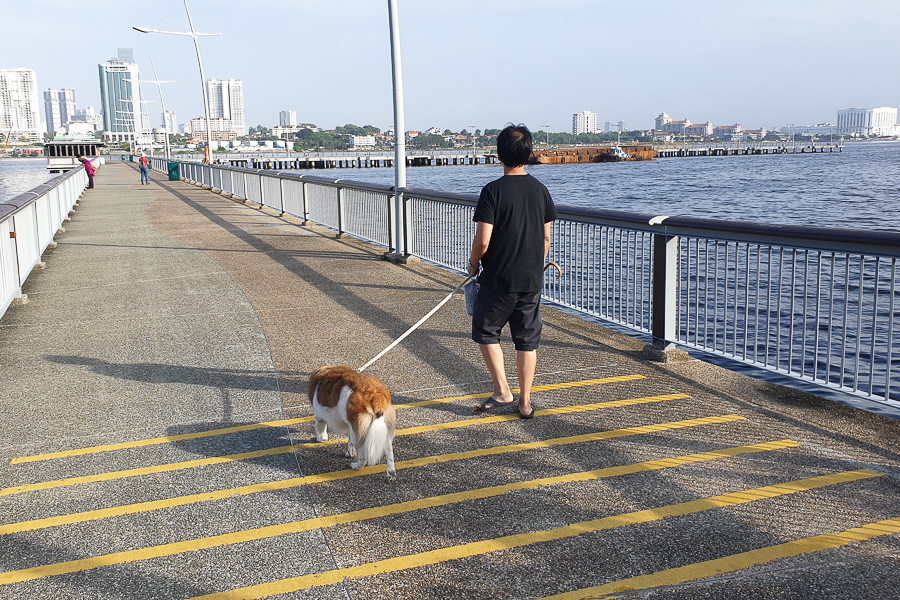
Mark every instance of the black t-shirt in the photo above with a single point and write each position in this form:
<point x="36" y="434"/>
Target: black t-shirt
<point x="517" y="206"/>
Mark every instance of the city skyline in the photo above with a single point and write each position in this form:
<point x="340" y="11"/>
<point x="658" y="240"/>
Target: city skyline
<point x="621" y="61"/>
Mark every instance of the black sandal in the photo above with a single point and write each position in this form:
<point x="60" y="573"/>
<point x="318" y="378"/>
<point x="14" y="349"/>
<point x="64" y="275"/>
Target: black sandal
<point x="491" y="404"/>
<point x="529" y="415"/>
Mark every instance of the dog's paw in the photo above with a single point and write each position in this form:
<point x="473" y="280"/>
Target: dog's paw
<point x="392" y="476"/>
<point x="354" y="466"/>
<point x="322" y="438"/>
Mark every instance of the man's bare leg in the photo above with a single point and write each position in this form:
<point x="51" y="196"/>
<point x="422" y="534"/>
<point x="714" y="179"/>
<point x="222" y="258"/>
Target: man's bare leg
<point x="493" y="358"/>
<point x="526" y="363"/>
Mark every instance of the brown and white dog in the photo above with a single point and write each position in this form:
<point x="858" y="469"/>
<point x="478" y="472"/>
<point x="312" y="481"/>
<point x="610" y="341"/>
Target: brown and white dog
<point x="358" y="405"/>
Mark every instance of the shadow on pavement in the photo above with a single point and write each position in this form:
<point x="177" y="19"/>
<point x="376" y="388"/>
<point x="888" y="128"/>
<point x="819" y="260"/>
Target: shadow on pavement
<point x="125" y="581"/>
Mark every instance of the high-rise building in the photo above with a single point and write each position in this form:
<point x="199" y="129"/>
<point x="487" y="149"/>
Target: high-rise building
<point x="868" y="121"/>
<point x="19" y="104"/>
<point x="614" y="126"/>
<point x="67" y="104"/>
<point x="169" y="121"/>
<point x="226" y="101"/>
<point x="51" y="111"/>
<point x="59" y="108"/>
<point x="287" y="118"/>
<point x="584" y="122"/>
<point x="123" y="119"/>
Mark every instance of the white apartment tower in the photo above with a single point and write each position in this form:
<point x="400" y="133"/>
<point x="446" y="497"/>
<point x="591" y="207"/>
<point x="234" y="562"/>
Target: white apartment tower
<point x="584" y="122"/>
<point x="226" y="101"/>
<point x="867" y="121"/>
<point x="19" y="104"/>
<point x="170" y="121"/>
<point x="123" y="119"/>
<point x="287" y="118"/>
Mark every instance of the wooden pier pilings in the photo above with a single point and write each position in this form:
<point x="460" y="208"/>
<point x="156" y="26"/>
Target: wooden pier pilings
<point x="373" y="161"/>
<point x="358" y="162"/>
<point x="692" y="151"/>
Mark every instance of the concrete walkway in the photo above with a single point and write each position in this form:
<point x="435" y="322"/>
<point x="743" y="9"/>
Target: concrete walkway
<point x="155" y="439"/>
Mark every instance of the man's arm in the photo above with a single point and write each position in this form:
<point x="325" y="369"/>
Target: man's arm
<point x="547" y="227"/>
<point x="479" y="245"/>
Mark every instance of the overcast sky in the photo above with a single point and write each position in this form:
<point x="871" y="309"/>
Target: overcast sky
<point x="483" y="62"/>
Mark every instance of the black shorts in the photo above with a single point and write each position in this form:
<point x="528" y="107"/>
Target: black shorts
<point x="522" y="310"/>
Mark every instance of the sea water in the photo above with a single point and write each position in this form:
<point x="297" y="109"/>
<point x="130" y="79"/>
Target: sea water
<point x="18" y="175"/>
<point x="858" y="188"/>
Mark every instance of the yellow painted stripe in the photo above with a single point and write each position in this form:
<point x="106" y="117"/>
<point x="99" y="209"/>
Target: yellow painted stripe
<point x="536" y="388"/>
<point x="514" y="416"/>
<point x="285" y="422"/>
<point x="401" y="563"/>
<point x="736" y="562"/>
<point x="155" y="441"/>
<point x="376" y="512"/>
<point x="349" y="473"/>
<point x="216" y="460"/>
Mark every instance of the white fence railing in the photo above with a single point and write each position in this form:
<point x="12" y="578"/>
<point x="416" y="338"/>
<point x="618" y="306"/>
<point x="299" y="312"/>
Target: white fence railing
<point x="28" y="224"/>
<point x="816" y="304"/>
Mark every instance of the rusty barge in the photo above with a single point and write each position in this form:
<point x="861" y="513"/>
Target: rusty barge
<point x="593" y="154"/>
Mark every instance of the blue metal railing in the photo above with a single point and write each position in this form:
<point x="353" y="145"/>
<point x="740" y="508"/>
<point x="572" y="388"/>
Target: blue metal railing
<point x="816" y="304"/>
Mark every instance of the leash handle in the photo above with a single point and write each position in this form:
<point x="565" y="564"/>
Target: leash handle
<point x="416" y="326"/>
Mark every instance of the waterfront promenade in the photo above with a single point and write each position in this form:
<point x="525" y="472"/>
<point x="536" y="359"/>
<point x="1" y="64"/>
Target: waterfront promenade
<point x="155" y="438"/>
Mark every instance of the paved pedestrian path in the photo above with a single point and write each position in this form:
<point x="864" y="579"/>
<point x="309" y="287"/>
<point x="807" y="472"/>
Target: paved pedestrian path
<point x="156" y="440"/>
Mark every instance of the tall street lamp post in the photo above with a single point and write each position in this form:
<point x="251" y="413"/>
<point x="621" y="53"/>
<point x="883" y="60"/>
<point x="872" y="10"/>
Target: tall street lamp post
<point x="194" y="35"/>
<point x="399" y="127"/>
<point x="546" y="129"/>
<point x="474" y="152"/>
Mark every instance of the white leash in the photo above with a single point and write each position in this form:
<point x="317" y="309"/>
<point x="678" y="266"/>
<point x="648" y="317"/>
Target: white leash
<point x="416" y="326"/>
<point x="434" y="310"/>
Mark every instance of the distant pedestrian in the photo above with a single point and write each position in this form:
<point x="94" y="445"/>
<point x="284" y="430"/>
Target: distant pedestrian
<point x="512" y="238"/>
<point x="145" y="169"/>
<point x="89" y="168"/>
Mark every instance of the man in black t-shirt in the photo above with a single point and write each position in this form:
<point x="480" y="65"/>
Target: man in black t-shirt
<point x="514" y="216"/>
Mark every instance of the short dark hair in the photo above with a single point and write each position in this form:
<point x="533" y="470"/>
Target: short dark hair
<point x="514" y="145"/>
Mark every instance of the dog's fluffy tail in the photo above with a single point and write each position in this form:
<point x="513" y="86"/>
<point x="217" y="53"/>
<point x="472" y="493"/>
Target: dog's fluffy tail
<point x="375" y="435"/>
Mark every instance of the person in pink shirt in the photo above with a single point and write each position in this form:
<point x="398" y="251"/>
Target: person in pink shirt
<point x="89" y="167"/>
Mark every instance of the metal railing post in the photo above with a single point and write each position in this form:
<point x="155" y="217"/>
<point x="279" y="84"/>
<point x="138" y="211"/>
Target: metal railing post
<point x="305" y="208"/>
<point x="393" y="221"/>
<point x="665" y="290"/>
<point x="262" y="192"/>
<point x="407" y="233"/>
<point x="281" y="187"/>
<point x="340" y="222"/>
